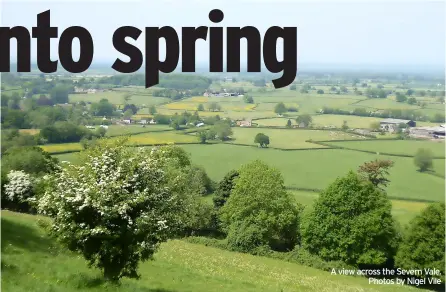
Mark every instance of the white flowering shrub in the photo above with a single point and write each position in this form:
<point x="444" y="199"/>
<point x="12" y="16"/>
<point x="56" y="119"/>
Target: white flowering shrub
<point x="115" y="208"/>
<point x="19" y="187"/>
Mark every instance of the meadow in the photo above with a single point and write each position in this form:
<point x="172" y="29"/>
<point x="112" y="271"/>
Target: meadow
<point x="316" y="169"/>
<point x="31" y="261"/>
<point x="145" y="138"/>
<point x="398" y="147"/>
<point x="403" y="211"/>
<point x="288" y="138"/>
<point x="117" y="97"/>
<point x="119" y="130"/>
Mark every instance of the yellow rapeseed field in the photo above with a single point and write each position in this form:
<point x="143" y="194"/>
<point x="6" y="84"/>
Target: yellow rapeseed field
<point x="160" y="138"/>
<point x="55" y="148"/>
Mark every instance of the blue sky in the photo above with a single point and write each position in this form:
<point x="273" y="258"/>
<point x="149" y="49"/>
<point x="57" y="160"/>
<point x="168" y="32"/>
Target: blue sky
<point x="335" y="32"/>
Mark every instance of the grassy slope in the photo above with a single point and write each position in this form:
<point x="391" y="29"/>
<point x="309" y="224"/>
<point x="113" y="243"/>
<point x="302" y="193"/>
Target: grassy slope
<point x="33" y="262"/>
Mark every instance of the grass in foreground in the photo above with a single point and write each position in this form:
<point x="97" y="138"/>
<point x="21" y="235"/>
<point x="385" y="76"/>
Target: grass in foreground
<point x="33" y="262"/>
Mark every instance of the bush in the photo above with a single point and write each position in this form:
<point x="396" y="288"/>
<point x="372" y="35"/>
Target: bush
<point x="424" y="242"/>
<point x="351" y="221"/>
<point x="17" y="191"/>
<point x="259" y="211"/>
<point x="117" y="207"/>
<point x="423" y="159"/>
<point x="302" y="257"/>
<point x="262" y="139"/>
<point x="224" y="188"/>
<point x="32" y="160"/>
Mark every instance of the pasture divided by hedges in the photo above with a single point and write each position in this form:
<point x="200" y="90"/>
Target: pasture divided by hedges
<point x="289" y="139"/>
<point x="316" y="169"/>
<point x="402" y="147"/>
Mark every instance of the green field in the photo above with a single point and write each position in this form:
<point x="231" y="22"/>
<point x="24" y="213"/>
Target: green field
<point x="149" y="138"/>
<point x="119" y="130"/>
<point x="403" y="211"/>
<point x="404" y="147"/>
<point x="33" y="262"/>
<point x="117" y="97"/>
<point x="288" y="139"/>
<point x="316" y="169"/>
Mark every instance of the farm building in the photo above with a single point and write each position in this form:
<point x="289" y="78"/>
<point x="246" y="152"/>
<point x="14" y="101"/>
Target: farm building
<point x="127" y="121"/>
<point x="244" y="123"/>
<point x="200" y="124"/>
<point x="427" y="132"/>
<point x="392" y="125"/>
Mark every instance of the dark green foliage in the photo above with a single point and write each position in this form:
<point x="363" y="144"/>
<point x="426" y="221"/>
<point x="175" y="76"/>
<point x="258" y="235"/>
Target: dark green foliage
<point x="375" y="93"/>
<point x="224" y="188"/>
<point x="304" y="120"/>
<point x="202" y="136"/>
<point x="280" y="108"/>
<point x="200" y="107"/>
<point x="293" y="87"/>
<point x="424" y="241"/>
<point x="12" y="138"/>
<point x="32" y="160"/>
<point x="199" y="177"/>
<point x="412" y="100"/>
<point x="131" y="107"/>
<point x="423" y="159"/>
<point x="64" y="132"/>
<point x="351" y="221"/>
<point x="259" y="211"/>
<point x="248" y="99"/>
<point x="59" y="94"/>
<point x="288" y="123"/>
<point x="400" y="97"/>
<point x="320" y="91"/>
<point x="262" y="139"/>
<point x="152" y="110"/>
<point x="103" y="108"/>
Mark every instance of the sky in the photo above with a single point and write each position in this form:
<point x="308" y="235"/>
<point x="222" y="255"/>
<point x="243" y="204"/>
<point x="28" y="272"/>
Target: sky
<point x="329" y="32"/>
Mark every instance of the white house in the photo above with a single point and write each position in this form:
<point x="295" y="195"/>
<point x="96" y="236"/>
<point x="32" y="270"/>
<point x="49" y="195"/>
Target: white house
<point x="200" y="124"/>
<point x="104" y="126"/>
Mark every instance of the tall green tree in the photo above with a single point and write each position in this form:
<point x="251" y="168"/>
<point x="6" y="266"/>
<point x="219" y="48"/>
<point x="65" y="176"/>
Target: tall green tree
<point x="423" y="159"/>
<point x="262" y="140"/>
<point x="351" y="221"/>
<point x="424" y="241"/>
<point x="304" y="119"/>
<point x="59" y="94"/>
<point x="224" y="188"/>
<point x="259" y="211"/>
<point x="280" y="108"/>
